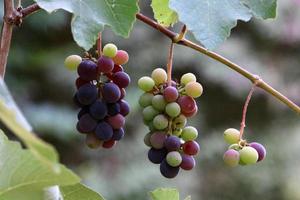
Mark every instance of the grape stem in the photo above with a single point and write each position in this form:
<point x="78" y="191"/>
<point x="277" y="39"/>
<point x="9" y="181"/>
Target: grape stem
<point x="99" y="44"/>
<point x="170" y="64"/>
<point x="7" y="29"/>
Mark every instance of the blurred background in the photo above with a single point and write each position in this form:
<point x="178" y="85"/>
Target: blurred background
<point x="43" y="89"/>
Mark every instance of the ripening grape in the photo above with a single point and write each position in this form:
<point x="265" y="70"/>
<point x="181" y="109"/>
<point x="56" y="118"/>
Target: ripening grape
<point x="174" y="158"/>
<point x="170" y="94"/>
<point x="156" y="156"/>
<point x="168" y="171"/>
<point x="158" y="139"/>
<point x="111" y="92"/>
<point x="87" y="70"/>
<point x="232" y="136"/>
<point x="72" y="62"/>
<point x="173" y="109"/>
<point x="105" y="64"/>
<point x="104" y="131"/>
<point x="188" y="162"/>
<point x="87" y="124"/>
<point x="87" y="94"/>
<point x="146" y="83"/>
<point x="235" y="147"/>
<point x="149" y="113"/>
<point x="121" y="79"/>
<point x="117" y="121"/>
<point x="145" y="99"/>
<point x="110" y="50"/>
<point x="248" y="155"/>
<point x="92" y="141"/>
<point x="231" y="157"/>
<point x="260" y="150"/>
<point x="117" y="68"/>
<point x="121" y="57"/>
<point x="160" y="122"/>
<point x="187" y="78"/>
<point x="159" y="103"/>
<point x="187" y="104"/>
<point x="172" y="143"/>
<point x="159" y="76"/>
<point x="109" y="144"/>
<point x="194" y="89"/>
<point x="191" y="148"/>
<point x="189" y="133"/>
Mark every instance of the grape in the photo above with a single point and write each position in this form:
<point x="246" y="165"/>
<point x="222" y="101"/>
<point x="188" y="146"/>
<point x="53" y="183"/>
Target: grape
<point x="160" y="122"/>
<point x="159" y="76"/>
<point x="187" y="78"/>
<point x="146" y="83"/>
<point x="92" y="141"/>
<point x="117" y="121"/>
<point x="231" y="157"/>
<point x="87" y="94"/>
<point x="159" y="103"/>
<point x="87" y="70"/>
<point x="171" y="94"/>
<point x="180" y="121"/>
<point x="117" y="68"/>
<point x="124" y="108"/>
<point x="168" y="171"/>
<point x="118" y="134"/>
<point x="110" y="50"/>
<point x="172" y="143"/>
<point x="187" y="104"/>
<point x="174" y="158"/>
<point x="76" y="101"/>
<point x="188" y="162"/>
<point x="191" y="114"/>
<point x="173" y="109"/>
<point x="111" y="92"/>
<point x="109" y="144"/>
<point x="87" y="124"/>
<point x="72" y="62"/>
<point x="158" y="139"/>
<point x="191" y="148"/>
<point x="121" y="58"/>
<point x="105" y="64"/>
<point x="260" y="150"/>
<point x="147" y="139"/>
<point x="145" y="99"/>
<point x="248" y="155"/>
<point x="194" y="89"/>
<point x="235" y="147"/>
<point x="79" y="129"/>
<point x="189" y="133"/>
<point x="80" y="82"/>
<point x="82" y="111"/>
<point x="156" y="156"/>
<point x="149" y="113"/>
<point x="121" y="79"/>
<point x="104" y="131"/>
<point x="177" y="132"/>
<point x="98" y="110"/>
<point x="232" y="136"/>
<point x="113" y="109"/>
<point x="151" y="126"/>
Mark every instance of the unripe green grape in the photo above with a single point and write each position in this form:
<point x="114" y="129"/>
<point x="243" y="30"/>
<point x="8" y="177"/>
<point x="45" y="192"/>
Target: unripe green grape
<point x="146" y="83"/>
<point x="231" y="158"/>
<point x="235" y="147"/>
<point x="177" y="132"/>
<point x="188" y="77"/>
<point x="174" y="158"/>
<point x="194" y="89"/>
<point x="72" y="62"/>
<point x="159" y="76"/>
<point x="145" y="99"/>
<point x="92" y="141"/>
<point x="160" y="122"/>
<point x="147" y="139"/>
<point x="151" y="126"/>
<point x="180" y="121"/>
<point x="159" y="102"/>
<point x="173" y="109"/>
<point x="231" y="136"/>
<point x="110" y="50"/>
<point x="189" y="133"/>
<point x="248" y="155"/>
<point x="149" y="113"/>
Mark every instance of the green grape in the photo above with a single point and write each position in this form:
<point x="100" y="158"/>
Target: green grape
<point x="188" y="77"/>
<point x="146" y="83"/>
<point x="149" y="113"/>
<point x="177" y="132"/>
<point x="72" y="62"/>
<point x="248" y="155"/>
<point x="174" y="158"/>
<point x="110" y="50"/>
<point x="235" y="147"/>
<point x="160" y="122"/>
<point x="145" y="99"/>
<point x="173" y="109"/>
<point x="231" y="158"/>
<point x="147" y="139"/>
<point x="159" y="76"/>
<point x="180" y="121"/>
<point x="159" y="102"/>
<point x="92" y="141"/>
<point x="189" y="133"/>
<point x="194" y="89"/>
<point x="232" y="136"/>
<point x="151" y="126"/>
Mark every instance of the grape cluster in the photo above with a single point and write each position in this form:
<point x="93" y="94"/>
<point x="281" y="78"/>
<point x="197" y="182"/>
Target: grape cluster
<point x="166" y="107"/>
<point x="240" y="152"/>
<point x="101" y="88"/>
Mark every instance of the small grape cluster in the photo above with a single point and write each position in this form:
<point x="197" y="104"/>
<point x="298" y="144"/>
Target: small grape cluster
<point x="166" y="107"/>
<point x="101" y="88"/>
<point x="240" y="152"/>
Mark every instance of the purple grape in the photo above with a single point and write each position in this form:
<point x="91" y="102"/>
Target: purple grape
<point x="105" y="64"/>
<point x="98" y="110"/>
<point x="118" y="134"/>
<point x="113" y="109"/>
<point x="111" y="92"/>
<point x="122" y="79"/>
<point x="260" y="150"/>
<point x="79" y="129"/>
<point x="171" y="94"/>
<point x="116" y="121"/>
<point x="87" y="94"/>
<point x="87" y="123"/>
<point x="87" y="70"/>
<point x="158" y="139"/>
<point x="156" y="156"/>
<point x="172" y="143"/>
<point x="188" y="162"/>
<point x="124" y="108"/>
<point x="104" y="131"/>
<point x="82" y="111"/>
<point x="76" y="101"/>
<point x="168" y="171"/>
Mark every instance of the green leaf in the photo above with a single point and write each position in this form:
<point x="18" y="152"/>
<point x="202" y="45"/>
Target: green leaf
<point x="165" y="194"/>
<point x="79" y="192"/>
<point x="264" y="9"/>
<point x="90" y="17"/>
<point x="22" y="172"/>
<point x="163" y="14"/>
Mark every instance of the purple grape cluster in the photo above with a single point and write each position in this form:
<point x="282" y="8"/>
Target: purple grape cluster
<point x="100" y="96"/>
<point x="166" y="108"/>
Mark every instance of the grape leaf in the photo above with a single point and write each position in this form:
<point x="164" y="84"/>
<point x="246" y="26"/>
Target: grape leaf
<point x="163" y="14"/>
<point x="264" y="9"/>
<point x="90" y="17"/>
<point x="79" y="192"/>
<point x="165" y="194"/>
